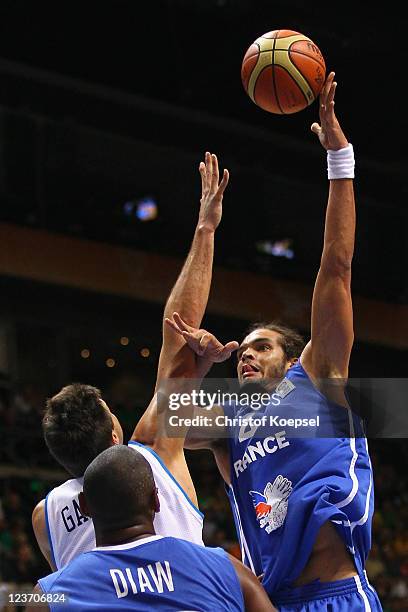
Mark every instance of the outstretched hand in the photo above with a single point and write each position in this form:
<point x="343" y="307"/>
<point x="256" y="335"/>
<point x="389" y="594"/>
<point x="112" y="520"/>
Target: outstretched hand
<point x="330" y="134"/>
<point x="212" y="192"/>
<point x="203" y="343"/>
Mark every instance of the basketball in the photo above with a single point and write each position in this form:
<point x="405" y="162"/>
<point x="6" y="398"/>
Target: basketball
<point x="283" y="71"/>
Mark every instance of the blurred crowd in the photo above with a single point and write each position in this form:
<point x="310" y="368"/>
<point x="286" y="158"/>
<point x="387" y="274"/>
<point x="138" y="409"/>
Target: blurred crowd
<point x="24" y="460"/>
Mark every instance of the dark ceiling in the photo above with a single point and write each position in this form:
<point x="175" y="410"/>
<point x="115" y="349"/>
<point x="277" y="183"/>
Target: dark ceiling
<point x="106" y="101"/>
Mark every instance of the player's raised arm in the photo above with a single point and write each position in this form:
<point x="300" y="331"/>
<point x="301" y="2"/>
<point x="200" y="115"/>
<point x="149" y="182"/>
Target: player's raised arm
<point x="327" y="354"/>
<point x="206" y="347"/>
<point x="189" y="297"/>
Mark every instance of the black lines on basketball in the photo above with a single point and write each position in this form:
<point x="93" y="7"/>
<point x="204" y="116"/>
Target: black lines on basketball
<point x="274" y="77"/>
<point x="321" y="63"/>
<point x="283" y="71"/>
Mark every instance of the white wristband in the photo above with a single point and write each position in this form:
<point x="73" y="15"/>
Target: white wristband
<point x="340" y="164"/>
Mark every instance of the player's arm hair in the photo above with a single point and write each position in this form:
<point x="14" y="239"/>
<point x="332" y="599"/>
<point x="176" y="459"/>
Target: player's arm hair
<point x="40" y="531"/>
<point x="189" y="298"/>
<point x="328" y="353"/>
<point x="255" y="596"/>
<point x="189" y="295"/>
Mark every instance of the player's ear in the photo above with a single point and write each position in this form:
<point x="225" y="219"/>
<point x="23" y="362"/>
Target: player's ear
<point x="83" y="505"/>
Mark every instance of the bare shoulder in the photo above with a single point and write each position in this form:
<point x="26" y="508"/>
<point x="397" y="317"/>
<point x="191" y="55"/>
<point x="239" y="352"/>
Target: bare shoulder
<point x="39" y="522"/>
<point x="38" y="517"/>
<point x="330" y="382"/>
<point x="38" y="607"/>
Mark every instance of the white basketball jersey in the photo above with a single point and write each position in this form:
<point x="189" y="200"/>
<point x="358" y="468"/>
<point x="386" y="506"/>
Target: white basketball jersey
<point x="71" y="533"/>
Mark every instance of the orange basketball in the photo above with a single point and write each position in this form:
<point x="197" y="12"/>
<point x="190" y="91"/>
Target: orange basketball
<point x="283" y="71"/>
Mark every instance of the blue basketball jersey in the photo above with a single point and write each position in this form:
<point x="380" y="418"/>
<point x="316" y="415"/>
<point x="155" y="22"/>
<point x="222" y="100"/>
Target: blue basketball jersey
<point x="306" y="463"/>
<point x="155" y="573"/>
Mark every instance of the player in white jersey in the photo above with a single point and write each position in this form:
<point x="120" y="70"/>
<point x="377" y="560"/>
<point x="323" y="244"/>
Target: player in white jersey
<point x="131" y="567"/>
<point x="78" y="424"/>
<point x="68" y="531"/>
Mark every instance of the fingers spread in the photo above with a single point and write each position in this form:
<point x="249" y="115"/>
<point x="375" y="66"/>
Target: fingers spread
<point x="210" y="344"/>
<point x="182" y="324"/>
<point x="316" y="129"/>
<point x="202" y="171"/>
<point x="328" y="84"/>
<point x="332" y="91"/>
<point x="324" y="95"/>
<point x="232" y="346"/>
<point x="208" y="166"/>
<point x="214" y="173"/>
<point x="172" y="324"/>
<point x="205" y="172"/>
<point x="204" y="340"/>
<point x="224" y="182"/>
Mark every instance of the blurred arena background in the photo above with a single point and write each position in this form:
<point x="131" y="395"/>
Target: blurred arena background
<point x="106" y="110"/>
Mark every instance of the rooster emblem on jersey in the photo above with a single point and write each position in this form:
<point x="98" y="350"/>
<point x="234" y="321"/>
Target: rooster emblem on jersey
<point x="271" y="506"/>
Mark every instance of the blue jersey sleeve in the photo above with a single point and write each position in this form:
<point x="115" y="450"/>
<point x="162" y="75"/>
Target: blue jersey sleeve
<point x="48" y="582"/>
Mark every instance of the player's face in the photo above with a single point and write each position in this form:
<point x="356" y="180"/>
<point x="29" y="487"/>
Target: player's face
<point x="116" y="426"/>
<point x="261" y="357"/>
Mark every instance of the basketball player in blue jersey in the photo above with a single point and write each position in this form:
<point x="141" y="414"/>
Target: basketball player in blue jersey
<point x="303" y="504"/>
<point x="133" y="568"/>
<point x="78" y="424"/>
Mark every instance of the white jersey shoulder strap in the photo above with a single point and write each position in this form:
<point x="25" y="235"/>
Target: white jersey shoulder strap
<point x="178" y="516"/>
<point x="70" y="533"/>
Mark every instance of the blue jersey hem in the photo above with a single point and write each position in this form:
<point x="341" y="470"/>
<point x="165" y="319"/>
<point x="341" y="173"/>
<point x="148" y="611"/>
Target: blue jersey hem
<point x="321" y="590"/>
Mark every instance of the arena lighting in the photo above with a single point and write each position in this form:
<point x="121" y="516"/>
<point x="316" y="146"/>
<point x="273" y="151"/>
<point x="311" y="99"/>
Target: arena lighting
<point x="124" y="340"/>
<point x="144" y="209"/>
<point x="279" y="248"/>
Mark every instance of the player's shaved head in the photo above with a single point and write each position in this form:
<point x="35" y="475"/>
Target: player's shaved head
<point x="119" y="489"/>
